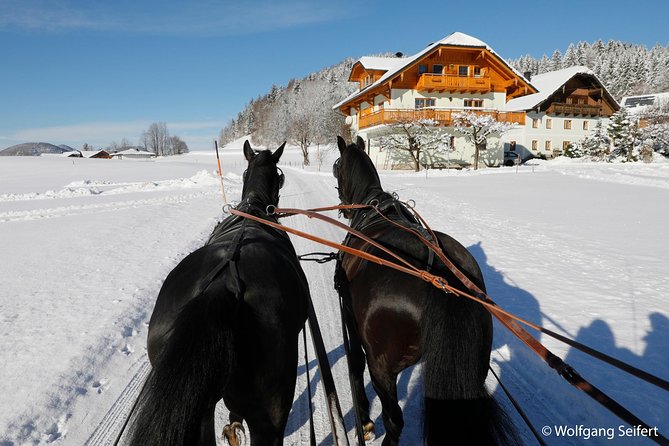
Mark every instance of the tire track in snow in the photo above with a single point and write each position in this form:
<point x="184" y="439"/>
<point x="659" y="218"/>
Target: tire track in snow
<point x="112" y="423"/>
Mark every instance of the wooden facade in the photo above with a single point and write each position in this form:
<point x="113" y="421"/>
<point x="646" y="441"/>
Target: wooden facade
<point x="582" y="95"/>
<point x="443" y="117"/>
<point x="444" y="69"/>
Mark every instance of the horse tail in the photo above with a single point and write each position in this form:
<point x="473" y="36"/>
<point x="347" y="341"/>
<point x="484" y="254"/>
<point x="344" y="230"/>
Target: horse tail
<point x="188" y="376"/>
<point x="456" y="338"/>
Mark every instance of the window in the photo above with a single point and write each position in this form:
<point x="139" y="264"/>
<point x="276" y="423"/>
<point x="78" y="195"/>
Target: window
<point x="477" y="71"/>
<point x="567" y="124"/>
<point x="512" y="146"/>
<point x="535" y="123"/>
<point x="547" y="146"/>
<point x="422" y="69"/>
<point x="535" y="144"/>
<point x="425" y="102"/>
<point x="437" y="69"/>
<point x="474" y="103"/>
<point x="565" y="144"/>
<point x="452" y="142"/>
<point x="463" y="70"/>
<point x="549" y="123"/>
<point x="368" y="80"/>
<point x="585" y="125"/>
<point x="570" y="100"/>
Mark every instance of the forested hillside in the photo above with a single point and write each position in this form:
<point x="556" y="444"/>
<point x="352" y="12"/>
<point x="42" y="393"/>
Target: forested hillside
<point x="301" y="112"/>
<point x="624" y="68"/>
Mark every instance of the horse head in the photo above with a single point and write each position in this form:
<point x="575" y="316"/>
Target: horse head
<point x="356" y="175"/>
<point x="262" y="178"/>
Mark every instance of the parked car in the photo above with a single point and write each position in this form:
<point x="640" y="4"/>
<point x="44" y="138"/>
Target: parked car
<point x="512" y="158"/>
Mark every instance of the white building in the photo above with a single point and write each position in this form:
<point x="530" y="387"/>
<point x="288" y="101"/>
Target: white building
<point x="566" y="108"/>
<point x="454" y="74"/>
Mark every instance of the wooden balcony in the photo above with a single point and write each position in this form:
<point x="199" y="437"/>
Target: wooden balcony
<point x="558" y="108"/>
<point x="443" y="117"/>
<point x="451" y="83"/>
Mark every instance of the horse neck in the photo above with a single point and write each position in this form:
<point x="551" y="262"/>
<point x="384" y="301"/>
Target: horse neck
<point x="365" y="188"/>
<point x="260" y="195"/>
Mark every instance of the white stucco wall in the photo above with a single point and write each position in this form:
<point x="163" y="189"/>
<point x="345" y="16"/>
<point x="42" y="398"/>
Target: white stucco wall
<point x="557" y="135"/>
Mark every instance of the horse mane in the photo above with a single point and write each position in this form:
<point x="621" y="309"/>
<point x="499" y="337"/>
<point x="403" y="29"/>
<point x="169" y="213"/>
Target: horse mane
<point x="362" y="177"/>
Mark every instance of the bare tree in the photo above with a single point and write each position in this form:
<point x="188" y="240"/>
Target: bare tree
<point x="419" y="139"/>
<point x="177" y="146"/>
<point x="156" y="138"/>
<point x="476" y="128"/>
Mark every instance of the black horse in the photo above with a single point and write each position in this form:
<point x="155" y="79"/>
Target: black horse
<point x="225" y="326"/>
<point x="395" y="320"/>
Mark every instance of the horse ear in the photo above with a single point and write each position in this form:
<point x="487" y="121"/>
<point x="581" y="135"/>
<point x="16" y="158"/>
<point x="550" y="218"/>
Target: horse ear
<point x="341" y="144"/>
<point x="278" y="152"/>
<point x="249" y="154"/>
<point x="360" y="143"/>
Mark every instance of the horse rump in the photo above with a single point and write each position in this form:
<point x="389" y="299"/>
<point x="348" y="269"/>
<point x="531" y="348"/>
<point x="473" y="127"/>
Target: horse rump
<point x="176" y="405"/>
<point x="456" y="338"/>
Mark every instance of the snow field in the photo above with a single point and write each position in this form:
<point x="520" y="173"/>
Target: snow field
<point x="85" y="245"/>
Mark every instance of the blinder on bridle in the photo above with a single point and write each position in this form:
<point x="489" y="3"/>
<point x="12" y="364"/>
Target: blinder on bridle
<point x="335" y="168"/>
<point x="282" y="177"/>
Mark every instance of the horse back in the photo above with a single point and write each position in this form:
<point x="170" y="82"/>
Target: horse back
<point x="258" y="272"/>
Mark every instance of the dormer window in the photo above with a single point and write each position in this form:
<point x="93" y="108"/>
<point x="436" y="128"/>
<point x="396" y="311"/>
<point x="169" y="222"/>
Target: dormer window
<point x="368" y="80"/>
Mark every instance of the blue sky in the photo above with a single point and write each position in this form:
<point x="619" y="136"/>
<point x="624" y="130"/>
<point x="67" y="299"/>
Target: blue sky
<point x="75" y="71"/>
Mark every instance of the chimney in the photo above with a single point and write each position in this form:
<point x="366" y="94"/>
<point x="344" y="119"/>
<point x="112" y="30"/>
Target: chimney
<point x="527" y="75"/>
<point x="399" y="54"/>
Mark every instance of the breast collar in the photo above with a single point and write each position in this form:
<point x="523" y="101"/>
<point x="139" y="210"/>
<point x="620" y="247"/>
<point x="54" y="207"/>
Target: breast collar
<point x="234" y="222"/>
<point x="388" y="206"/>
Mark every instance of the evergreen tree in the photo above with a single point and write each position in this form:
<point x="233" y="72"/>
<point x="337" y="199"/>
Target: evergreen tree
<point x="556" y="61"/>
<point x="624" y="134"/>
<point x="597" y="144"/>
<point x="570" y="57"/>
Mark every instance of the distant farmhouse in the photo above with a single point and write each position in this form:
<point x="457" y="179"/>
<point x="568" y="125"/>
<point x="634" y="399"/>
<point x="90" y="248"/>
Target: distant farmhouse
<point x="95" y="154"/>
<point x="133" y="153"/>
<point x="461" y="73"/>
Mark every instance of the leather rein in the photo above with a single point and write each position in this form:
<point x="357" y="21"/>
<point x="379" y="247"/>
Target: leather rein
<point x="509" y="320"/>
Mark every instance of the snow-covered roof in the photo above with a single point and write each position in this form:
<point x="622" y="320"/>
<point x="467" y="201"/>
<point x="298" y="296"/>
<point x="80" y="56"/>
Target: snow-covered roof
<point x="91" y="153"/>
<point x="133" y="152"/>
<point x="547" y="84"/>
<point x="638" y="103"/>
<point x="381" y="63"/>
<point x="454" y="39"/>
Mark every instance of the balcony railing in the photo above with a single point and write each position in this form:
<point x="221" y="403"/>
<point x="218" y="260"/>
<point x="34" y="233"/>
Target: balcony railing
<point x="574" y="109"/>
<point x="448" y="82"/>
<point x="441" y="116"/>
